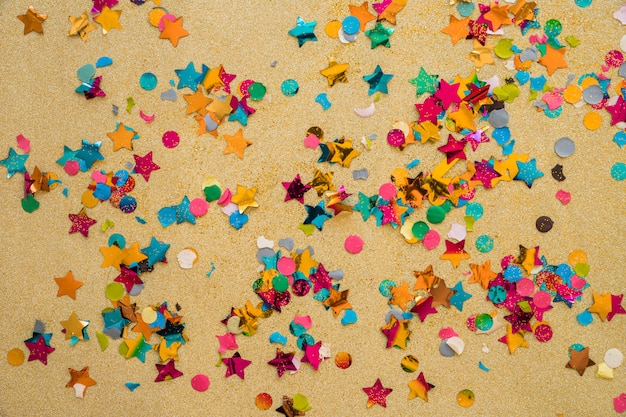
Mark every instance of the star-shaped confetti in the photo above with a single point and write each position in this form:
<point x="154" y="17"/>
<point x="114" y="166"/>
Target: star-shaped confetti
<point x="338" y="301"/>
<point x="89" y="153"/>
<point x="283" y="362"/>
<point x="14" y="163"/>
<point x="39" y="348"/>
<point x="482" y="274"/>
<point x="236" y="144"/>
<point x="377" y="394"/>
<point x="579" y="361"/>
<point x="81" y="222"/>
<point x="68" y="285"/>
<point x="528" y="172"/>
<point x="122" y="137"/>
<point x="424" y="308"/>
<point x="379" y="35"/>
<point x="362" y="13"/>
<point x="312" y="355"/>
<point x="513" y="340"/>
<point x="454" y="149"/>
<point x="32" y="21"/>
<point x="173" y="30"/>
<point x="303" y="31"/>
<point x="602" y="305"/>
<point x="335" y="72"/>
<point x="457" y="29"/>
<point x="448" y="94"/>
<point x="497" y="16"/>
<point x="460" y="296"/>
<point x="80" y="380"/>
<point x="419" y="387"/>
<point x="245" y="198"/>
<point x="296" y="189"/>
<point x="455" y="252"/>
<point x="316" y="215"/>
<point x="144" y="165"/>
<point x="81" y="26"/>
<point x="553" y="59"/>
<point x="378" y="81"/>
<point x="481" y="54"/>
<point x="188" y="77"/>
<point x="322" y="182"/>
<point x="167" y="371"/>
<point x="74" y="327"/>
<point x="616" y="306"/>
<point x="156" y="251"/>
<point x="424" y="82"/>
<point x="108" y="19"/>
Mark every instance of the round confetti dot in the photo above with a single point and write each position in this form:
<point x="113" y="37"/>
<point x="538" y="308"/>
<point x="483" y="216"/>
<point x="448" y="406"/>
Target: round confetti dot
<point x="614" y="58"/>
<point x="484" y="243"/>
<point x="148" y="81"/>
<point x="582" y="269"/>
<point x="525" y="287"/>
<point x="343" y="360"/>
<point x="435" y="214"/>
<point x="289" y="87"/>
<point x="553" y="28"/>
<point x="305" y="339"/>
<point x="465" y="398"/>
<point x="170" y="139"/>
<point x="553" y="114"/>
<point x="351" y="25"/>
<point x="385" y="287"/>
<point x="431" y="239"/>
<point x="577" y="257"/>
<point x="471" y="323"/>
<point x="475" y="210"/>
<point x="544" y="224"/>
<point x="198" y="207"/>
<point x="332" y="29"/>
<point x="583" y="3"/>
<point x="395" y="137"/>
<point x="115" y="291"/>
<point x="484" y="322"/>
<point x="465" y="9"/>
<point x="542" y="299"/>
<point x="128" y="204"/>
<point x="200" y="382"/>
<point x="613" y="358"/>
<point x="585" y="318"/>
<point x="618" y="171"/>
<point x="149" y="315"/>
<point x="286" y="266"/>
<point x="409" y="363"/>
<point x="155" y="16"/>
<point x="512" y="273"/>
<point x="420" y="229"/>
<point x="543" y="332"/>
<point x="280" y="283"/>
<point x="564" y="147"/>
<point x="593" y="94"/>
<point x="387" y="191"/>
<point x="353" y="244"/>
<point x="263" y="401"/>
<point x="187" y="258"/>
<point x="497" y="294"/>
<point x="15" y="357"/>
<point x="257" y="91"/>
<point x="573" y="93"/>
<point x="212" y="193"/>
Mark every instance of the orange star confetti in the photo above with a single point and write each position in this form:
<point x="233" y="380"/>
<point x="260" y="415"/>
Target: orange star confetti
<point x="335" y="72"/>
<point x="108" y="19"/>
<point x="363" y="14"/>
<point x="481" y="55"/>
<point x="122" y="138"/>
<point x="173" y="30"/>
<point x="401" y="296"/>
<point x="197" y="102"/>
<point x="602" y="305"/>
<point x="68" y="285"/>
<point x="32" y="21"/>
<point x="457" y="29"/>
<point x="498" y="16"/>
<point x="236" y="144"/>
<point x="482" y="274"/>
<point x="455" y="252"/>
<point x="81" y="26"/>
<point x="80" y="380"/>
<point x="553" y="59"/>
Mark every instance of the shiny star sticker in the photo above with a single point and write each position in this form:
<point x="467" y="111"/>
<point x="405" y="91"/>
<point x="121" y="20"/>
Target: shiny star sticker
<point x="424" y="308"/>
<point x="362" y="13"/>
<point x="424" y="82"/>
<point x="197" y="102"/>
<point x="378" y="81"/>
<point x="338" y="301"/>
<point x="173" y="30"/>
<point x="89" y="153"/>
<point x="579" y="361"/>
<point x="303" y="31"/>
<point x="81" y="222"/>
<point x="283" y="362"/>
<point x="485" y="173"/>
<point x="32" y="21"/>
<point x="73" y="327"/>
<point x="429" y="110"/>
<point x="236" y="144"/>
<point x="317" y="215"/>
<point x="68" y="285"/>
<point x="455" y="252"/>
<point x="80" y="380"/>
<point x="497" y="16"/>
<point x="482" y="274"/>
<point x="14" y="163"/>
<point x="448" y="94"/>
<point x="344" y="153"/>
<point x="167" y="371"/>
<point x="108" y="19"/>
<point x="425" y="279"/>
<point x="481" y="54"/>
<point x="144" y="165"/>
<point x="245" y="198"/>
<point x="322" y="182"/>
<point x="401" y="296"/>
<point x="553" y="59"/>
<point x="388" y="9"/>
<point x="419" y="387"/>
<point x="377" y="394"/>
<point x="454" y="149"/>
<point x="523" y="10"/>
<point x="335" y="72"/>
<point x="296" y="189"/>
<point x="528" y="172"/>
<point x="463" y="117"/>
<point x="618" y="111"/>
<point x="457" y="29"/>
<point x="379" y="35"/>
<point x="81" y="26"/>
<point x="122" y="137"/>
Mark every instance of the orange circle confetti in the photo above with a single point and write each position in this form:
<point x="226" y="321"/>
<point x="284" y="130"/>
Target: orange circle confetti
<point x="263" y="401"/>
<point x="332" y="29"/>
<point x="343" y="360"/>
<point x="592" y="120"/>
<point x="587" y="82"/>
<point x="15" y="357"/>
<point x="89" y="200"/>
<point x="577" y="257"/>
<point x="409" y="363"/>
<point x="155" y="16"/>
<point x="572" y="94"/>
<point x="465" y="398"/>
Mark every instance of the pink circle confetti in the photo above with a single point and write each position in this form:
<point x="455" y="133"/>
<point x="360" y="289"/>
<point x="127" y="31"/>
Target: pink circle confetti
<point x="200" y="382"/>
<point x="198" y="207"/>
<point x="564" y="197"/>
<point x="447" y="333"/>
<point x="395" y="137"/>
<point x="543" y="332"/>
<point x="286" y="266"/>
<point x="431" y="239"/>
<point x="71" y="167"/>
<point x="170" y="139"/>
<point x="353" y="244"/>
<point x="243" y="88"/>
<point x="614" y="58"/>
<point x="506" y="261"/>
<point x="311" y="141"/>
<point x="542" y="299"/>
<point x="471" y="323"/>
<point x="525" y="287"/>
<point x="387" y="191"/>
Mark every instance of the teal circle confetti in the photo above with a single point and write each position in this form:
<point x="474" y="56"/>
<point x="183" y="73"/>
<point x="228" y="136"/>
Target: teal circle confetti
<point x="553" y="114"/>
<point x="305" y="339"/>
<point x="618" y="171"/>
<point x="297" y="329"/>
<point x="553" y="28"/>
<point x="484" y="243"/>
<point x="385" y="287"/>
<point x="583" y="3"/>
<point x="475" y="210"/>
<point x="465" y="9"/>
<point x="497" y="294"/>
<point x="148" y="81"/>
<point x="289" y="87"/>
<point x="117" y="239"/>
<point x="585" y="318"/>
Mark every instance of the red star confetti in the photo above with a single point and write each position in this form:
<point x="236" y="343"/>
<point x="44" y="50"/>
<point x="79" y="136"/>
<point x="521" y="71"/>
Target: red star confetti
<point x="377" y="394"/>
<point x="81" y="223"/>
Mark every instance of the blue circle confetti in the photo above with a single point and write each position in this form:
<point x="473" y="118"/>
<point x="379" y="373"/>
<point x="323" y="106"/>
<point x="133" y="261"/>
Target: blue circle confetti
<point x="465" y="9"/>
<point x="585" y="318"/>
<point x="289" y="87"/>
<point x="148" y="81"/>
<point x="512" y="273"/>
<point x="475" y="210"/>
<point x="583" y="3"/>
<point x="351" y="25"/>
<point x="117" y="239"/>
<point x="484" y="243"/>
<point x="128" y="204"/>
<point x="385" y="287"/>
<point x="618" y="171"/>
